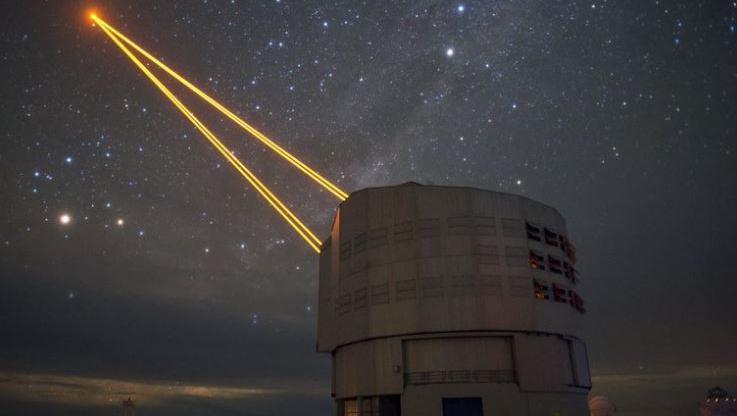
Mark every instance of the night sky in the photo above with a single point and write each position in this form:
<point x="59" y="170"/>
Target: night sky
<point x="172" y="281"/>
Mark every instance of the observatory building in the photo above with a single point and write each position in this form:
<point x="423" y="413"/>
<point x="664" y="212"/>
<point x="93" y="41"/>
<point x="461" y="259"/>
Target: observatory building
<point x="451" y="301"/>
<point x="718" y="403"/>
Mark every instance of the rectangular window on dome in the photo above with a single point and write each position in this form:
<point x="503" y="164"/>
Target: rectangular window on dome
<point x="343" y="304"/>
<point x="515" y="256"/>
<point x="576" y="301"/>
<point x="360" y="298"/>
<point x="485" y="226"/>
<point x="568" y="248"/>
<point x="542" y="290"/>
<point x="406" y="289"/>
<point x="551" y="237"/>
<point x="432" y="286"/>
<point x="570" y="272"/>
<point x="463" y="285"/>
<point x="512" y="227"/>
<point x="560" y="293"/>
<point x="537" y="260"/>
<point x="486" y="250"/>
<point x="345" y="250"/>
<point x="380" y="294"/>
<point x="490" y="284"/>
<point x="533" y="231"/>
<point x="359" y="243"/>
<point x="428" y="228"/>
<point x="378" y="237"/>
<point x="555" y="265"/>
<point x="403" y="231"/>
<point x="519" y="286"/>
<point x="460" y="225"/>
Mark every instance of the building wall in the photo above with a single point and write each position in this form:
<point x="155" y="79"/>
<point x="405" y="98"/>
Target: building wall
<point x="450" y="282"/>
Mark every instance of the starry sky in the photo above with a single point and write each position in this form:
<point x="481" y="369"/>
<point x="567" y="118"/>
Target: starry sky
<point x="135" y="261"/>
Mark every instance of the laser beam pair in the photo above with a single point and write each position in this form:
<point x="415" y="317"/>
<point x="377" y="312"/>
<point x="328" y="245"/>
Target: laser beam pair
<point x="125" y="45"/>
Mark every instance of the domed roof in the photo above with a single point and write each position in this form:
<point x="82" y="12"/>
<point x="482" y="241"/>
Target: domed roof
<point x="601" y="403"/>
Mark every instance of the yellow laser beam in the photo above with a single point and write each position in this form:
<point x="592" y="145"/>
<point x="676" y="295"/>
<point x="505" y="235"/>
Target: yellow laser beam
<point x="287" y="214"/>
<point x="329" y="186"/>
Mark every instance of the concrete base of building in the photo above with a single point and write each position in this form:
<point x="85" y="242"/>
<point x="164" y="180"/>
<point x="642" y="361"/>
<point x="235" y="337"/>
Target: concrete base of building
<point x="497" y="399"/>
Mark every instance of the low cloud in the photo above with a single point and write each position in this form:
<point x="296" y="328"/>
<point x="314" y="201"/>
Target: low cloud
<point x="93" y="391"/>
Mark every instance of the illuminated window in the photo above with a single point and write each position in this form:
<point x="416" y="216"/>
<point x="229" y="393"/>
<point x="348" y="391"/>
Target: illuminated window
<point x="350" y="407"/>
<point x="542" y="291"/>
<point x="533" y="231"/>
<point x="367" y="406"/>
<point x="537" y="260"/>
<point x="370" y="406"/>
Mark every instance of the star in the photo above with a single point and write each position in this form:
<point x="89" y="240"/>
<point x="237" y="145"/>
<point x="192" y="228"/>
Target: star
<point x="449" y="52"/>
<point x="65" y="219"/>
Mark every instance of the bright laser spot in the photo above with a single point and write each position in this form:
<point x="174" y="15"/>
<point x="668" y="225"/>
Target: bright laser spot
<point x="329" y="186"/>
<point x="279" y="206"/>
